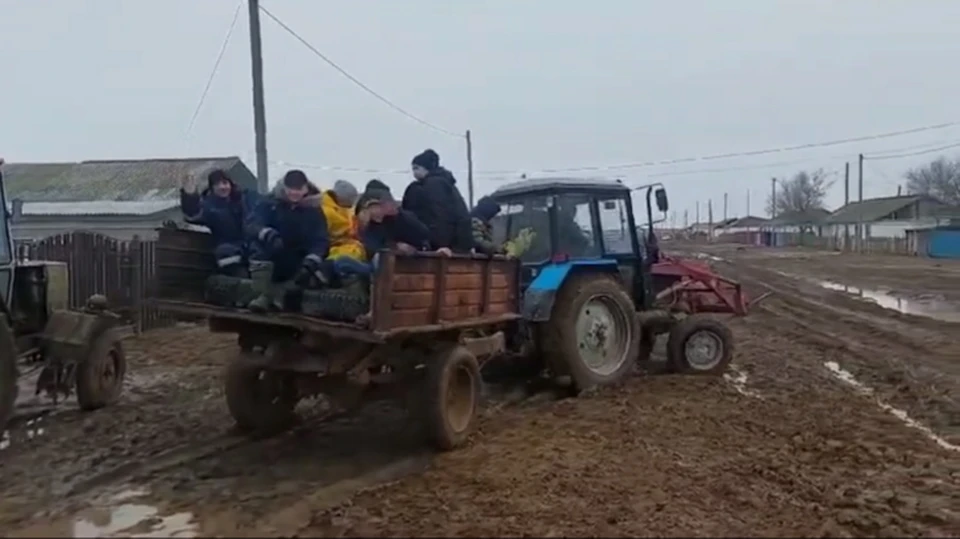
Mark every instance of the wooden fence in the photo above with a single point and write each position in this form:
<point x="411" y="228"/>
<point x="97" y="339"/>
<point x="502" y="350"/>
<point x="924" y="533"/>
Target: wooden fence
<point x="123" y="271"/>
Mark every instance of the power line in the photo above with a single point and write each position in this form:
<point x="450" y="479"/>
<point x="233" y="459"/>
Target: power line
<point x="753" y="153"/>
<point x="216" y="67"/>
<point x="512" y="175"/>
<point x="356" y="81"/>
<point x="910" y="154"/>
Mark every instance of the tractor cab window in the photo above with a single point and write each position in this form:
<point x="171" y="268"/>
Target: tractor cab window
<point x="523" y="227"/>
<point x="615" y="225"/>
<point x="575" y="229"/>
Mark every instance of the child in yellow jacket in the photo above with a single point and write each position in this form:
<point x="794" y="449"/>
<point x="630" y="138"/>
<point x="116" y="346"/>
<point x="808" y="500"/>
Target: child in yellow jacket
<point x="337" y="207"/>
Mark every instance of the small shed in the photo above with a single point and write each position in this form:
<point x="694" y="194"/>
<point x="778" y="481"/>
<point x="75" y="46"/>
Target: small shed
<point x="794" y="228"/>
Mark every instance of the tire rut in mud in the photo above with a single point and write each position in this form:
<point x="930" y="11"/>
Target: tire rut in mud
<point x="906" y="370"/>
<point x="327" y="456"/>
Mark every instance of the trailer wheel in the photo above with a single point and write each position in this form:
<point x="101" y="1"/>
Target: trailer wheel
<point x="453" y="392"/>
<point x="593" y="334"/>
<point x="100" y="375"/>
<point x="261" y="401"/>
<point x="699" y="344"/>
<point x="8" y="373"/>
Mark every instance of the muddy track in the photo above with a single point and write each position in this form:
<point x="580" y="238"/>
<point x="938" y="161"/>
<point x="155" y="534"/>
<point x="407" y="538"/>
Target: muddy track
<point x="332" y="452"/>
<point x="906" y="359"/>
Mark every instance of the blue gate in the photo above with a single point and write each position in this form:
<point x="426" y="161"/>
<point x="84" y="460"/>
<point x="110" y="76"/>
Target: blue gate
<point x="944" y="244"/>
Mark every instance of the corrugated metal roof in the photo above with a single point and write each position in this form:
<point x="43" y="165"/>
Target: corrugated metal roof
<point x="100" y="207"/>
<point x="748" y="221"/>
<point x="130" y="180"/>
<point x="871" y="209"/>
<point x="808" y="217"/>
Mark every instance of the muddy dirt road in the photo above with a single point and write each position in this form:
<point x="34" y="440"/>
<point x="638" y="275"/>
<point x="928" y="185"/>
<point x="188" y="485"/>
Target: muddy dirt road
<point x="896" y="319"/>
<point x="785" y="445"/>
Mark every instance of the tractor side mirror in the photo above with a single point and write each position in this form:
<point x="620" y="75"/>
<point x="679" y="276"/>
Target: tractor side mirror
<point x="661" y="196"/>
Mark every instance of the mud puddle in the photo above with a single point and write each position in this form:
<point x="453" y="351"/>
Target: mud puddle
<point x="121" y="515"/>
<point x="927" y="307"/>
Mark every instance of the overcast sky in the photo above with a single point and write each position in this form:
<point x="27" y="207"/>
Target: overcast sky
<point x="541" y="84"/>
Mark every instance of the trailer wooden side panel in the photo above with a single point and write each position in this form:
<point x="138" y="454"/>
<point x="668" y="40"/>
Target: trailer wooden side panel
<point x="427" y="289"/>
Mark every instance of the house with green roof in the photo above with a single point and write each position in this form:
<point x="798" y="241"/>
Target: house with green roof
<point x="890" y="217"/>
<point x="119" y="198"/>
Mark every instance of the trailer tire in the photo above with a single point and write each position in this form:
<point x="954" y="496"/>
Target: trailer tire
<point x="261" y="401"/>
<point x="599" y="304"/>
<point x="101" y="373"/>
<point x="335" y="304"/>
<point x="699" y="344"/>
<point x="453" y="393"/>
<point x="8" y="373"/>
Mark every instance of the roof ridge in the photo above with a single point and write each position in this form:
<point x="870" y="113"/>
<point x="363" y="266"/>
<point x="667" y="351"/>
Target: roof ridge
<point x="159" y="160"/>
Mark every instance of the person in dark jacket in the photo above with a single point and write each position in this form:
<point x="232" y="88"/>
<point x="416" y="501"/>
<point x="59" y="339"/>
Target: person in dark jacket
<point x="384" y="225"/>
<point x="434" y="198"/>
<point x="222" y="207"/>
<point x="289" y="239"/>
<point x="372" y="186"/>
<point x="481" y="217"/>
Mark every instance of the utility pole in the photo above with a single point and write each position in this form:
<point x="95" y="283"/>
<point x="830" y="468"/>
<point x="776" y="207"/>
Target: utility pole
<point x="748" y="203"/>
<point x="724" y="207"/>
<point x="861" y="234"/>
<point x="697" y="222"/>
<point x="773" y="198"/>
<point x="686" y="219"/>
<point x="710" y="219"/>
<point x="259" y="109"/>
<point x="846" y="201"/>
<point x="469" y="168"/>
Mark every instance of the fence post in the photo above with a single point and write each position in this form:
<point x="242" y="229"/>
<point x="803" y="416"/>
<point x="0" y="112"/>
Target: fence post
<point x="136" y="283"/>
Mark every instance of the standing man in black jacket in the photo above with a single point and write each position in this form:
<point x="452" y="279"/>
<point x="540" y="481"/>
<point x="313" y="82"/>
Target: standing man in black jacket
<point x="434" y="198"/>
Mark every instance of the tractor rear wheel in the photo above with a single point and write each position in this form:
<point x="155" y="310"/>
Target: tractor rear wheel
<point x="8" y="373"/>
<point x="100" y="375"/>
<point x="699" y="344"/>
<point x="593" y="334"/>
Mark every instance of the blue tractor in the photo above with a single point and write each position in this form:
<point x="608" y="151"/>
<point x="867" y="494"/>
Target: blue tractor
<point x="590" y="298"/>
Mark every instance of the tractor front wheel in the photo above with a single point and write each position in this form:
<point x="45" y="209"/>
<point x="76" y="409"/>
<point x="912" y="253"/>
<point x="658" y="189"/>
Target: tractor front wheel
<point x="699" y="344"/>
<point x="100" y="375"/>
<point x="593" y="334"/>
<point x="8" y="373"/>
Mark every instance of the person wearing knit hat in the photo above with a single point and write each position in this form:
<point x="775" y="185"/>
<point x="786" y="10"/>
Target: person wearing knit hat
<point x="290" y="241"/>
<point x="337" y="206"/>
<point x="435" y="200"/>
<point x="222" y="207"/>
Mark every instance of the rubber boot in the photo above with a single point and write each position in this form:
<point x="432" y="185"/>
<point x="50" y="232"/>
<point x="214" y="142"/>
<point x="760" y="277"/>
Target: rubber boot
<point x="269" y="296"/>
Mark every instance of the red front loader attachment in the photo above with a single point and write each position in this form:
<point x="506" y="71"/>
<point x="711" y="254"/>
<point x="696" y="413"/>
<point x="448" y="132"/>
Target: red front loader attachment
<point x="692" y="287"/>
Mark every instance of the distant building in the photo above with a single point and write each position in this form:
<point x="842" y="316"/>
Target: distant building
<point x="890" y="217"/>
<point x="741" y="230"/>
<point x="115" y="198"/>
<point x="793" y="228"/>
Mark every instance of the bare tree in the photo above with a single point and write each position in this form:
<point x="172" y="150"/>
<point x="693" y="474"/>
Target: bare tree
<point x="805" y="191"/>
<point x="939" y="178"/>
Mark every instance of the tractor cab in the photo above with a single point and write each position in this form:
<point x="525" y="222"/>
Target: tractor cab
<point x="570" y="223"/>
